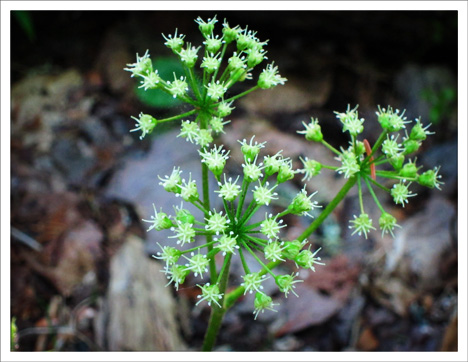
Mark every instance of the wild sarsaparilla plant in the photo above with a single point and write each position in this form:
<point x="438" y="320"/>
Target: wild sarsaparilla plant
<point x="211" y="70"/>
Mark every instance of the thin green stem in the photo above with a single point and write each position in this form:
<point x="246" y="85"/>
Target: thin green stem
<point x="265" y="267"/>
<point x="361" y="202"/>
<point x="183" y="115"/>
<point x="244" y="263"/>
<point x="197" y="247"/>
<point x="242" y="94"/>
<point x="330" y="147"/>
<point x="217" y="313"/>
<point x="206" y="197"/>
<point x="245" y="186"/>
<point x="374" y="196"/>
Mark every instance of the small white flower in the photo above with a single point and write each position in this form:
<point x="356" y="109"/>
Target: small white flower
<point x="286" y="283"/>
<point x="216" y="90"/>
<point x="215" y="159"/>
<point x="227" y="243"/>
<point x="400" y="193"/>
<point x="270" y="77"/>
<point x="229" y="190"/>
<point x="184" y="233"/>
<point x="210" y="293"/>
<point x="145" y="124"/>
<point x="216" y="222"/>
<point x="142" y="67"/>
<point x="361" y="224"/>
<point x="189" y="130"/>
<point x="253" y="282"/>
<point x="198" y="264"/>
<point x="264" y="195"/>
<point x="173" y="182"/>
<point x="270" y="227"/>
<point x="159" y="221"/>
<point x="178" y="88"/>
<point x="274" y="251"/>
<point x="263" y="302"/>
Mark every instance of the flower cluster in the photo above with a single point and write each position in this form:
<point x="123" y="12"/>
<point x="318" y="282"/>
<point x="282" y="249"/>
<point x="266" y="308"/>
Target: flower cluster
<point x="205" y="87"/>
<point x="231" y="231"/>
<point x="359" y="161"/>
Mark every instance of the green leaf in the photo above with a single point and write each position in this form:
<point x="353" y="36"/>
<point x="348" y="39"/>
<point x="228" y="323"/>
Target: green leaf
<point x="155" y="97"/>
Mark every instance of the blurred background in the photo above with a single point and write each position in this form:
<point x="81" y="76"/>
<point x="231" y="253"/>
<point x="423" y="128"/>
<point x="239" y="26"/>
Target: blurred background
<point x="82" y="276"/>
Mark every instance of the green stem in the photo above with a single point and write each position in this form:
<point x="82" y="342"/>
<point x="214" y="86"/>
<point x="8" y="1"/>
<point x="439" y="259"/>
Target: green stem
<point x="242" y="94"/>
<point x="217" y="313"/>
<point x="183" y="115"/>
<point x="330" y="147"/>
<point x="204" y="117"/>
<point x="374" y="196"/>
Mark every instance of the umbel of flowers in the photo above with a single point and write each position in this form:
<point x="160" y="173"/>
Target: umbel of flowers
<point x="232" y="232"/>
<point x="391" y="151"/>
<point x="227" y="57"/>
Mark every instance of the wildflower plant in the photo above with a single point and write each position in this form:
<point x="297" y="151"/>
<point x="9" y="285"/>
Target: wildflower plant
<point x="225" y="58"/>
<point x="359" y="162"/>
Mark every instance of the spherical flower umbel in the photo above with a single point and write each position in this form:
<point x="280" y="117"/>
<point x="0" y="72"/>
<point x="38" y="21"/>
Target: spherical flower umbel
<point x="211" y="63"/>
<point x="189" y="130"/>
<point x="351" y="121"/>
<point x="306" y="259"/>
<point x="206" y="27"/>
<point x="252" y="172"/>
<point x="311" y="168"/>
<point x="227" y="243"/>
<point x="215" y="159"/>
<point x="188" y="190"/>
<point x="391" y="120"/>
<point x="349" y="164"/>
<point x="431" y="178"/>
<point x="362" y="224"/>
<point x="178" y="87"/>
<point x="169" y="255"/>
<point x="150" y="81"/>
<point x="251" y="150"/>
<point x="189" y="55"/>
<point x="176" y="274"/>
<point x="387" y="223"/>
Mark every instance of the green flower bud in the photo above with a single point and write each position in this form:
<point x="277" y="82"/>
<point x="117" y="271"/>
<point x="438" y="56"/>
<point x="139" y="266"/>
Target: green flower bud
<point x="430" y="179"/>
<point x="285" y="173"/>
<point x="397" y="161"/>
<point x="292" y="249"/>
<point x="410" y="146"/>
<point x="409" y="170"/>
<point x="313" y="131"/>
<point x="185" y="217"/>
<point x="229" y="34"/>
